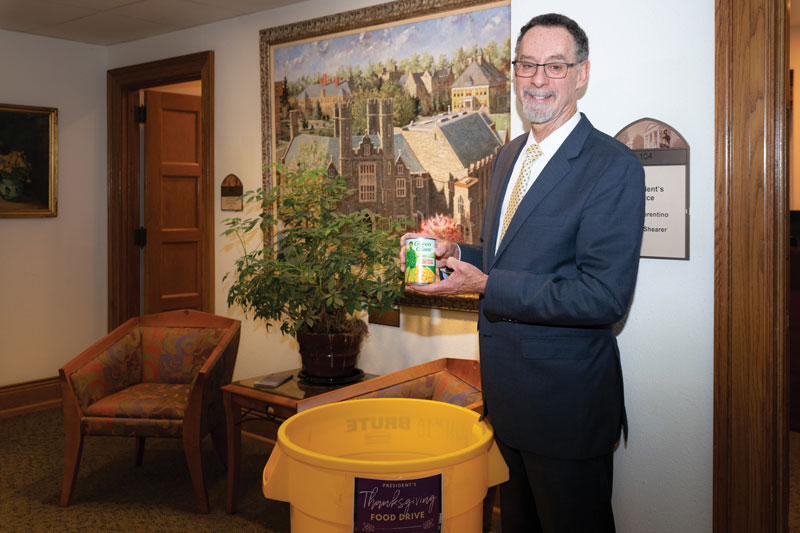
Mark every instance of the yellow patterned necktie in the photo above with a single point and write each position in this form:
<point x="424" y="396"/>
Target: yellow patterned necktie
<point x="531" y="155"/>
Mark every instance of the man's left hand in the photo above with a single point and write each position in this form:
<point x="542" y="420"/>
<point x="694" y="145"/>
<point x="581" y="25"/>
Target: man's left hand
<point x="465" y="279"/>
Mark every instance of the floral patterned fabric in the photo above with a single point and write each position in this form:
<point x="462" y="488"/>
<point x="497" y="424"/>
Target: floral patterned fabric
<point x="146" y="354"/>
<point x="145" y="400"/>
<point x="440" y="386"/>
<point x="451" y="389"/>
<point x="140" y="385"/>
<point x="144" y="410"/>
<point x="116" y="368"/>
<point x="131" y="427"/>
<point x="174" y="355"/>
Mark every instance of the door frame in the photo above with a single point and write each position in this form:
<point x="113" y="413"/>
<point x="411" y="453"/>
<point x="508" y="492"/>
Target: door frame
<point x="123" y="85"/>
<point x="751" y="427"/>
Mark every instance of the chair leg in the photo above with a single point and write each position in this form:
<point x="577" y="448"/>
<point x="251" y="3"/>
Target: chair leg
<point x="139" y="450"/>
<point x="72" y="460"/>
<point x="194" y="459"/>
<point x="220" y="440"/>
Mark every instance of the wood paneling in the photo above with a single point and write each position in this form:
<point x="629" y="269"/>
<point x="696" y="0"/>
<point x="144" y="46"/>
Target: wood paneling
<point x="174" y="214"/>
<point x="751" y="251"/>
<point x="30" y="396"/>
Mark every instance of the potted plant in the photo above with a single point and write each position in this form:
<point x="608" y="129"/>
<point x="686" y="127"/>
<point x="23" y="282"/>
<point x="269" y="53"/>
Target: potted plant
<point x="325" y="269"/>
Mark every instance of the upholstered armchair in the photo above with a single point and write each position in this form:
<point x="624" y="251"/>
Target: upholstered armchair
<point x="154" y="376"/>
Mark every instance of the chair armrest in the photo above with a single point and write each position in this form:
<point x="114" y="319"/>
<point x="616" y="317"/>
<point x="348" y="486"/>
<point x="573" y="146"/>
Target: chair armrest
<point x="205" y="407"/>
<point x="111" y="364"/>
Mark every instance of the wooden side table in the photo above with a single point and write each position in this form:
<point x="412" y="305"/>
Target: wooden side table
<point x="244" y="402"/>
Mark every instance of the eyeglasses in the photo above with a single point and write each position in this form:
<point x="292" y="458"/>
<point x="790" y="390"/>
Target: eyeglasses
<point x="555" y="71"/>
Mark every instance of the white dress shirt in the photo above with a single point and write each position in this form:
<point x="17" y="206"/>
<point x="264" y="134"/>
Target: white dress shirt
<point x="548" y="146"/>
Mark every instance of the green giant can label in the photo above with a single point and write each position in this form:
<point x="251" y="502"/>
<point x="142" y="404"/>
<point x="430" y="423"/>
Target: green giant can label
<point x="420" y="261"/>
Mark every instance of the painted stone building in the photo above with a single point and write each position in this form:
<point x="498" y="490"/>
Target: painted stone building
<point x="393" y="74"/>
<point x="429" y="85"/>
<point x="328" y="92"/>
<point x="458" y="150"/>
<point x="480" y="86"/>
<point x="440" y="165"/>
<point x="380" y="167"/>
<point x="438" y="82"/>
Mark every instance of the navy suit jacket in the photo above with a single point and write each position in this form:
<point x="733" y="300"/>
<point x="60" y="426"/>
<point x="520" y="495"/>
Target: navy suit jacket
<point x="562" y="277"/>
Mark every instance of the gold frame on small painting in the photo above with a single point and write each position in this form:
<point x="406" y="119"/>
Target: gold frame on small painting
<point x="32" y="132"/>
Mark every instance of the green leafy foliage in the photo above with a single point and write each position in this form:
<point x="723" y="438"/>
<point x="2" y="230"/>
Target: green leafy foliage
<point x="326" y="266"/>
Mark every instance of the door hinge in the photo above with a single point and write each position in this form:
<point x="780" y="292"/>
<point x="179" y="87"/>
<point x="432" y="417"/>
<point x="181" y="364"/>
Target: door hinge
<point x="141" y="114"/>
<point x="140" y="237"/>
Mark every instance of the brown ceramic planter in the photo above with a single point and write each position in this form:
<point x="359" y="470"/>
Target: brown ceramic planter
<point x="329" y="355"/>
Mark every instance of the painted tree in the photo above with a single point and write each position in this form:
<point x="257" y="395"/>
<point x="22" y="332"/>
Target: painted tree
<point x="284" y="98"/>
<point x="492" y="52"/>
<point x="459" y="61"/>
<point x="312" y="155"/>
<point x="505" y="56"/>
<point x="404" y="106"/>
<point x="426" y="62"/>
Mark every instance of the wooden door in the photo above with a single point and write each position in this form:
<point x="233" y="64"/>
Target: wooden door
<point x="173" y="211"/>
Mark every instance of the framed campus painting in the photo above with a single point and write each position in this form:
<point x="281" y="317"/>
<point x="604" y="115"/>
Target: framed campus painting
<point x="409" y="101"/>
<point x="28" y="161"/>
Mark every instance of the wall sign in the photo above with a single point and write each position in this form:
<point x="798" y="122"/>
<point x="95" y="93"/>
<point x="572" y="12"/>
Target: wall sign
<point x="664" y="154"/>
<point x="231" y="193"/>
<point x="401" y="505"/>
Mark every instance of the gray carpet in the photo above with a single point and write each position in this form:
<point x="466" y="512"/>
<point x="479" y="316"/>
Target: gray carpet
<point x="113" y="494"/>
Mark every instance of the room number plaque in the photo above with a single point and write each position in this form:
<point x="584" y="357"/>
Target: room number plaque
<point x="664" y="154"/>
<point x="231" y="193"/>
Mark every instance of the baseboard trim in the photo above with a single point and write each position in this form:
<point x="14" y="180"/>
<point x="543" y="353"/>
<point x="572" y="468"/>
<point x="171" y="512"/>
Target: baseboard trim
<point x="29" y="396"/>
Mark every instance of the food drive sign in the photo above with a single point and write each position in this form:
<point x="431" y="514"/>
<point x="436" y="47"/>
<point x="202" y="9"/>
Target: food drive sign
<point x="398" y="505"/>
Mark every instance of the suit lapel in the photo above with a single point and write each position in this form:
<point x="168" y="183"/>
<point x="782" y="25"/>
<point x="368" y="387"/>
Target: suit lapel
<point x="552" y="174"/>
<point x="505" y="164"/>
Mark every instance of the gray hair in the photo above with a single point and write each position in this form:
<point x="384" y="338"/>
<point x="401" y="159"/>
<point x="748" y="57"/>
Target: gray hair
<point x="554" y="20"/>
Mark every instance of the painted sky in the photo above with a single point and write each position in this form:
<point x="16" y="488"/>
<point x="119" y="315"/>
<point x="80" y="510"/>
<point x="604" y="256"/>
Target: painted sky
<point x="436" y="36"/>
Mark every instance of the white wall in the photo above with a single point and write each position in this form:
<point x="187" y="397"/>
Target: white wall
<point x="53" y="274"/>
<point x="641" y="68"/>
<point x="649" y="59"/>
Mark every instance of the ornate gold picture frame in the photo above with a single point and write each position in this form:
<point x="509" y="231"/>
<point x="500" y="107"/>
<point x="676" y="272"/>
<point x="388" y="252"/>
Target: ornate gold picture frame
<point x="460" y="97"/>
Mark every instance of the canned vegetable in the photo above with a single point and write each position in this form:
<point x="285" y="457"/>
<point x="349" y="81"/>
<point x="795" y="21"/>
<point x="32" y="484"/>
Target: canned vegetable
<point x="420" y="261"/>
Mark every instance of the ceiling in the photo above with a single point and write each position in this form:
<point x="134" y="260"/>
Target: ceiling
<point x="106" y="22"/>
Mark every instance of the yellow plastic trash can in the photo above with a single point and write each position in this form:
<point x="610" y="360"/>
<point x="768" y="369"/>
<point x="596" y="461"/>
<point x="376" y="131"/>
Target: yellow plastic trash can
<point x="384" y="464"/>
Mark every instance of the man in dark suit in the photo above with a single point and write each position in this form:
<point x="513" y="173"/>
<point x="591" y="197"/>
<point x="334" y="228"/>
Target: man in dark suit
<point x="555" y="270"/>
